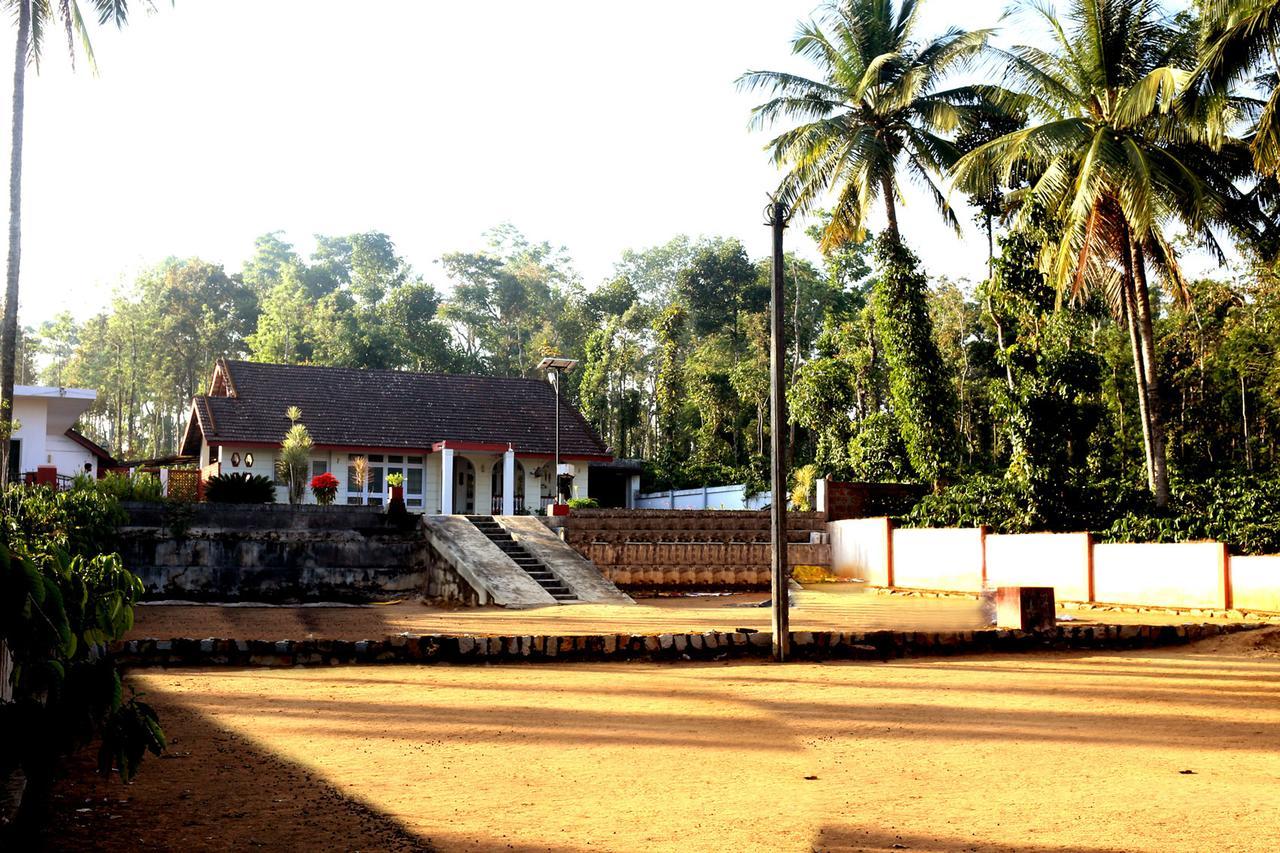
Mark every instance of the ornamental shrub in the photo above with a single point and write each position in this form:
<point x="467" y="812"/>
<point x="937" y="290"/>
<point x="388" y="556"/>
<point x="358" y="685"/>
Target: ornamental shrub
<point x="584" y="503"/>
<point x="122" y="487"/>
<point x="325" y="488"/>
<point x="239" y="489"/>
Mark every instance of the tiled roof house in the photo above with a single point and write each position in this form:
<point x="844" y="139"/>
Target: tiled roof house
<point x="494" y="436"/>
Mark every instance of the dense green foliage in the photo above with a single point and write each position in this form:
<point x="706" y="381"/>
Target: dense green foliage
<point x="923" y="399"/>
<point x="63" y="598"/>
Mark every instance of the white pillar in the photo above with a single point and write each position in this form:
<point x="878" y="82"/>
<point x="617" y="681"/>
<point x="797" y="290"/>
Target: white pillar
<point x="633" y="489"/>
<point x="820" y="498"/>
<point x="509" y="482"/>
<point x="446" y="481"/>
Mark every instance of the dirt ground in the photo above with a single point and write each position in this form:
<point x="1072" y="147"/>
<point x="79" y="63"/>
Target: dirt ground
<point x="1169" y="750"/>
<point x="834" y="607"/>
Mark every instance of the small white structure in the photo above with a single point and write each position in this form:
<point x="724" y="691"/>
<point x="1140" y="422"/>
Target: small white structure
<point x="706" y="497"/>
<point x="45" y="435"/>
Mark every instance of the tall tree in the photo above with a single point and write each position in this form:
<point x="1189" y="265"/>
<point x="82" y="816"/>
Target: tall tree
<point x="1241" y="40"/>
<point x="1113" y="166"/>
<point x="879" y="107"/>
<point x="35" y="18"/>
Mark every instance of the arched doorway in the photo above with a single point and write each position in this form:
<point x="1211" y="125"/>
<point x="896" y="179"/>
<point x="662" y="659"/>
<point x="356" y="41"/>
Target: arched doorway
<point x="498" y="492"/>
<point x="464" y="486"/>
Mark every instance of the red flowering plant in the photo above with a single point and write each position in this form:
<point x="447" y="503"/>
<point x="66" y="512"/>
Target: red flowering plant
<point x="325" y="488"/>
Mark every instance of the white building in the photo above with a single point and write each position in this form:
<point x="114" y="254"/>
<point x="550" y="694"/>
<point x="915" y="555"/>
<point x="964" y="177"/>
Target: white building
<point x="46" y="438"/>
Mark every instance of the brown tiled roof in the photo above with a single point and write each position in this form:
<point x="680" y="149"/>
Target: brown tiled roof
<point x="389" y="408"/>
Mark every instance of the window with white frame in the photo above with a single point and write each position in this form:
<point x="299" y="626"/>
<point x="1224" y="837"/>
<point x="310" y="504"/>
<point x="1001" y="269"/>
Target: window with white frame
<point x="372" y="491"/>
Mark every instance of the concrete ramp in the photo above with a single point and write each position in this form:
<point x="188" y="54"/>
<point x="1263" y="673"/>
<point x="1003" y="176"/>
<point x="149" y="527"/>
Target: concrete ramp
<point x="460" y="548"/>
<point x="571" y="568"/>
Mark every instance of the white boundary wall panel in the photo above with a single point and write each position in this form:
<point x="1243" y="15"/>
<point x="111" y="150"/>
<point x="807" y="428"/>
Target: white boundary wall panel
<point x="938" y="558"/>
<point x="1059" y="560"/>
<point x="1255" y="583"/>
<point x="860" y="549"/>
<point x="1183" y="574"/>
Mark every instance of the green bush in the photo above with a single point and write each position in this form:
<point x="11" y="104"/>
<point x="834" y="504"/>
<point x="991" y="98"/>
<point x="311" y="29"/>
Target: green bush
<point x="1242" y="511"/>
<point x="39" y="520"/>
<point x="64" y="597"/>
<point x="122" y="487"/>
<point x="239" y="489"/>
<point x="584" y="503"/>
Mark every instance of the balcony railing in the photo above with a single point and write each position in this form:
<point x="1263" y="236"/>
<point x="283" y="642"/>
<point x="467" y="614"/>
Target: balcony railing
<point x="496" y="505"/>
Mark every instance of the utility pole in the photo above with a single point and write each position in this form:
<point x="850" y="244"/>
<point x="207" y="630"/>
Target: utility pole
<point x="555" y="368"/>
<point x="776" y="216"/>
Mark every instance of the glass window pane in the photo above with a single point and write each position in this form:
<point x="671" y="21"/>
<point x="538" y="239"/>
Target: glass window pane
<point x="413" y="481"/>
<point x="375" y="501"/>
<point x="355" y="499"/>
<point x="318" y="467"/>
<point x="352" y="484"/>
<point x="375" y="481"/>
<point x="395" y="458"/>
<point x="413" y="501"/>
<point x="375" y="457"/>
<point x="415" y="460"/>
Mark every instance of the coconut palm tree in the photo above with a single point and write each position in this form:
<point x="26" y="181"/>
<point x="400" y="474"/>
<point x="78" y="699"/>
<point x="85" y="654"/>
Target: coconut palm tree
<point x="34" y="19"/>
<point x="1106" y="157"/>
<point x="1241" y="39"/>
<point x="877" y="107"/>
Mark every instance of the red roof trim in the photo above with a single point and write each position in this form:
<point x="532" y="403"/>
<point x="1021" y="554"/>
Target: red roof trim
<point x="478" y="446"/>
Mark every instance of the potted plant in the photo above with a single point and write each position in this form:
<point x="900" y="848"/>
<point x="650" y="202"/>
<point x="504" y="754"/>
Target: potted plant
<point x="395" y="486"/>
<point x="395" y="490"/>
<point x="325" y="488"/>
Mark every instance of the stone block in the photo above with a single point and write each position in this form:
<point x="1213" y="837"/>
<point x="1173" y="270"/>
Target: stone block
<point x="1025" y="608"/>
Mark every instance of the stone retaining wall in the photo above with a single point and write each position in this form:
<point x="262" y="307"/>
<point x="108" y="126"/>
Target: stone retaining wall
<point x="268" y="552"/>
<point x="711" y="645"/>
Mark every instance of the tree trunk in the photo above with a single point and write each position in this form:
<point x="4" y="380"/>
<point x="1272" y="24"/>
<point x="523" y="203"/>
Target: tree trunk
<point x="1244" y="420"/>
<point x="891" y="209"/>
<point x="9" y="325"/>
<point x="1129" y="310"/>
<point x="1146" y="334"/>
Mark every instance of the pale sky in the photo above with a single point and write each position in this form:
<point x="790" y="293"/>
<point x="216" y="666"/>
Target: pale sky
<point x="598" y="126"/>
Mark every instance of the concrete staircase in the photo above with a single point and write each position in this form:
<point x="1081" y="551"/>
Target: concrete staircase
<point x="531" y="565"/>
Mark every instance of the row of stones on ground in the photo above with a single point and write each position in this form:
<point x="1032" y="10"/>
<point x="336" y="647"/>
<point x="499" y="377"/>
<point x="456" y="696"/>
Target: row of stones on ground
<point x="1239" y="615"/>
<point x="711" y="645"/>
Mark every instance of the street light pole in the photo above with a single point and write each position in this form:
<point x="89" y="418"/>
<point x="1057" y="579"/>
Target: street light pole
<point x="555" y="368"/>
<point x="556" y="383"/>
<point x="776" y="216"/>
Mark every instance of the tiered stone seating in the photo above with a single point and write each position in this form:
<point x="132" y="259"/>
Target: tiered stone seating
<point x="658" y="549"/>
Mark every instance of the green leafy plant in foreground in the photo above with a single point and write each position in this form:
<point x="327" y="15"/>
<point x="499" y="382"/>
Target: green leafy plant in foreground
<point x="57" y="616"/>
<point x="63" y="601"/>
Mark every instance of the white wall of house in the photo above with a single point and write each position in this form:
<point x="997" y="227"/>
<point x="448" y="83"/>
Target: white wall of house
<point x="537" y="473"/>
<point x="32" y="416"/>
<point x="71" y="458"/>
